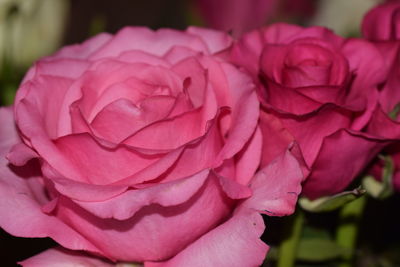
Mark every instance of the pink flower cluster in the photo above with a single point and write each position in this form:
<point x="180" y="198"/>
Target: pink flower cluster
<point x="163" y="147"/>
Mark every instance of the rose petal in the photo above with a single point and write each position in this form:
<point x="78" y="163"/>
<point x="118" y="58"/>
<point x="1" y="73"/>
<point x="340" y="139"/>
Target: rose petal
<point x="170" y="133"/>
<point x="159" y="169"/>
<point x="233" y="189"/>
<point x="216" y="41"/>
<point x="29" y="119"/>
<point x="138" y="56"/>
<point x="282" y="33"/>
<point x="247" y="51"/>
<point x="154" y="42"/>
<point x="367" y="62"/>
<point x="234" y="243"/>
<point x="121" y="118"/>
<point x="79" y="190"/>
<point x="86" y="49"/>
<point x="138" y="81"/>
<point x="39" y="91"/>
<point x="381" y="125"/>
<point x="245" y="106"/>
<point x="390" y="95"/>
<point x="148" y="235"/>
<point x="20" y="154"/>
<point x="309" y="130"/>
<point x="59" y="257"/>
<point x="191" y="68"/>
<point x="343" y="155"/>
<point x="61" y="67"/>
<point x="382" y="22"/>
<point x="290" y="100"/>
<point x="276" y="138"/>
<point x="248" y="160"/>
<point x="276" y="186"/>
<point x="124" y="206"/>
<point x="23" y="195"/>
<point x="96" y="164"/>
<point x="210" y="144"/>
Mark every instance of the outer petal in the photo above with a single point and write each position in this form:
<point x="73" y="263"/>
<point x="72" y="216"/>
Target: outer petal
<point x="282" y="33"/>
<point x="247" y="51"/>
<point x="383" y="22"/>
<point x="148" y="234"/>
<point x="86" y="49"/>
<point x="71" y="54"/>
<point x="381" y="125"/>
<point x="23" y="195"/>
<point x="276" y="138"/>
<point x="342" y="157"/>
<point x="154" y="42"/>
<point x="368" y="64"/>
<point x="62" y="67"/>
<point x="310" y="129"/>
<point x="59" y="257"/>
<point x="390" y="95"/>
<point x="276" y="186"/>
<point x="215" y="40"/>
<point x="39" y="91"/>
<point x="234" y="243"/>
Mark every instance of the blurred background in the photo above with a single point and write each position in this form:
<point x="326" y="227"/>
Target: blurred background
<point x="30" y="29"/>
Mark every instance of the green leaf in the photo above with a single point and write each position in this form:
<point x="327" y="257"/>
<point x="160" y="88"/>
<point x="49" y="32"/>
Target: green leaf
<point x="315" y="232"/>
<point x="317" y="250"/>
<point x="330" y="203"/>
<point x="383" y="189"/>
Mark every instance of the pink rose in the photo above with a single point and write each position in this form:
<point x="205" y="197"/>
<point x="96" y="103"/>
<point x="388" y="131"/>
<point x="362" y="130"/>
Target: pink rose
<point x="382" y="27"/>
<point x="319" y="90"/>
<point x="142" y="147"/>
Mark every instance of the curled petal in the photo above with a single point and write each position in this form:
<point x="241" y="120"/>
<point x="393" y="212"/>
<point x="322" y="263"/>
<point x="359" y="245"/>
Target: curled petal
<point x="276" y="186"/>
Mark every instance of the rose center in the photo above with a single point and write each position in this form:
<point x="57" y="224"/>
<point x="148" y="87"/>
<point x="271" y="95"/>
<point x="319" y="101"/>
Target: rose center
<point x="307" y="65"/>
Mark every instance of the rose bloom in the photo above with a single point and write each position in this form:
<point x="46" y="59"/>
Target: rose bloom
<point x="382" y="27"/>
<point x="141" y="147"/>
<point x="318" y="90"/>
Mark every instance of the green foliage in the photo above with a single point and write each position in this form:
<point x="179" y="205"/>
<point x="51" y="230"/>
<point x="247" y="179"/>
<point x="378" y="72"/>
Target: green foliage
<point x="9" y="81"/>
<point x="383" y="189"/>
<point x="318" y="250"/>
<point x="330" y="203"/>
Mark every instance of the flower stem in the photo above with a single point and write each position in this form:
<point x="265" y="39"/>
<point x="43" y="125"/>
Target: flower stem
<point x="288" y="247"/>
<point x="347" y="231"/>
